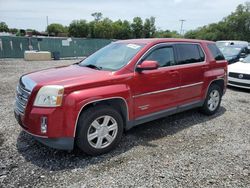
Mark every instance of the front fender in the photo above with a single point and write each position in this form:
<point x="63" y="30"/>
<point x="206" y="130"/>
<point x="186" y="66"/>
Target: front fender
<point x="77" y="100"/>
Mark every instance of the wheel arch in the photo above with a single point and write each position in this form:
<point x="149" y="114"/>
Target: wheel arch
<point x="220" y="82"/>
<point x="119" y="103"/>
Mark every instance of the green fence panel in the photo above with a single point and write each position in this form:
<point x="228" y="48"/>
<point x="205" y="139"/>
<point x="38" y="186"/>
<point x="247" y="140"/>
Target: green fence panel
<point x="14" y="47"/>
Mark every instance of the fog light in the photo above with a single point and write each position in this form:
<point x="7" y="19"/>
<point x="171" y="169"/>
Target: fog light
<point x="44" y="125"/>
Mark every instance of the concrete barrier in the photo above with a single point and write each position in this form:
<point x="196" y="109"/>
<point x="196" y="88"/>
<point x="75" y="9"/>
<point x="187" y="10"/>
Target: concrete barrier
<point x="37" y="56"/>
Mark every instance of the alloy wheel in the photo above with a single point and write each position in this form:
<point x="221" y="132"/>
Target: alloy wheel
<point x="214" y="100"/>
<point x="102" y="132"/>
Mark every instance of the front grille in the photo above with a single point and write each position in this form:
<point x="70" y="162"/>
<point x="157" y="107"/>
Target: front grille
<point x="239" y="75"/>
<point x="22" y="96"/>
<point x="239" y="84"/>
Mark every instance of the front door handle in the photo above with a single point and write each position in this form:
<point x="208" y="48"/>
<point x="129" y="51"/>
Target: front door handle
<point x="173" y="72"/>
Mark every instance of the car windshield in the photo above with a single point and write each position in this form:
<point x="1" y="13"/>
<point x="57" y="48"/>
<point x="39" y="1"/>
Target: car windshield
<point x="247" y="59"/>
<point x="112" y="57"/>
<point x="230" y="51"/>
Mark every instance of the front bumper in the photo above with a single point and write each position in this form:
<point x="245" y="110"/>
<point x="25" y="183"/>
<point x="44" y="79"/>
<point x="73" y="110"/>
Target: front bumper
<point x="57" y="143"/>
<point x="60" y="122"/>
<point x="62" y="143"/>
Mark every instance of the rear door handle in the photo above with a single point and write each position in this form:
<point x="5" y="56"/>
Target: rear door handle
<point x="205" y="67"/>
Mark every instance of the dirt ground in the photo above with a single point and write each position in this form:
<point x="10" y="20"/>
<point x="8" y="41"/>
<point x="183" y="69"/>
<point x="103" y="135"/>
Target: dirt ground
<point x="184" y="150"/>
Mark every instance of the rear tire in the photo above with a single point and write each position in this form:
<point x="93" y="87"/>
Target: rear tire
<point x="99" y="130"/>
<point x="212" y="101"/>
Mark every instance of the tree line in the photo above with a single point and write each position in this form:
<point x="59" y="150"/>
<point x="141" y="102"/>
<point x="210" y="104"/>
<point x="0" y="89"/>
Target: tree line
<point x="106" y="28"/>
<point x="101" y="27"/>
<point x="236" y="26"/>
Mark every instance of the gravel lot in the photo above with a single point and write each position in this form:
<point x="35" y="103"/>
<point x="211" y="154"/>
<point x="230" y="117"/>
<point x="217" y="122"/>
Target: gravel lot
<point x="183" y="150"/>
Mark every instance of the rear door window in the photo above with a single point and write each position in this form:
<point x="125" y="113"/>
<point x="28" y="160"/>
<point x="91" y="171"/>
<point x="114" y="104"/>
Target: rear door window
<point x="216" y="52"/>
<point x="189" y="53"/>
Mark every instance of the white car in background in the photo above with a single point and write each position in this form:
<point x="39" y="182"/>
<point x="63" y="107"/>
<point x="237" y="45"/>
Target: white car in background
<point x="239" y="73"/>
<point x="222" y="43"/>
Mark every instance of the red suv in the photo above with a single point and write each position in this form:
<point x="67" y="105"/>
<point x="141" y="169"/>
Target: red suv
<point x="124" y="84"/>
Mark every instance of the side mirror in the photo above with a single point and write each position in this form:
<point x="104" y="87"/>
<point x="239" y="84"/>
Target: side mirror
<point x="147" y="65"/>
<point x="241" y="59"/>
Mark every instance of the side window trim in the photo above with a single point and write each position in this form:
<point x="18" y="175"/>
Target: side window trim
<point x="202" y="54"/>
<point x="218" y="54"/>
<point x="175" y="54"/>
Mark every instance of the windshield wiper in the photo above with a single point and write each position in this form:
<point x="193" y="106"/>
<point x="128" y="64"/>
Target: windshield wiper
<point x="77" y="63"/>
<point x="93" y="67"/>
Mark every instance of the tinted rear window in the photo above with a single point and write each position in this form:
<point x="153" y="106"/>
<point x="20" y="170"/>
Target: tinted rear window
<point x="216" y="52"/>
<point x="189" y="53"/>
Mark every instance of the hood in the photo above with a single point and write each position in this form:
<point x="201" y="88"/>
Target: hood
<point x="239" y="67"/>
<point x="232" y="59"/>
<point x="68" y="75"/>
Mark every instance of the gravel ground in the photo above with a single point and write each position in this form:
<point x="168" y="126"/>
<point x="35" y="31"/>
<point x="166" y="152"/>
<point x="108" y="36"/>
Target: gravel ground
<point x="183" y="150"/>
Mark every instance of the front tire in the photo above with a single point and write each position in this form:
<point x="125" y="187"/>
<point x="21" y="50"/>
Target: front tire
<point x="213" y="100"/>
<point x="99" y="130"/>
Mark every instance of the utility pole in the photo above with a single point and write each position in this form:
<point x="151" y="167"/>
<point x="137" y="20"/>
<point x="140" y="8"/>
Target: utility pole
<point x="47" y="18"/>
<point x="182" y="22"/>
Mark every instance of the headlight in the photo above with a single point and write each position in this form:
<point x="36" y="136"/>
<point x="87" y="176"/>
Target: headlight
<point x="49" y="96"/>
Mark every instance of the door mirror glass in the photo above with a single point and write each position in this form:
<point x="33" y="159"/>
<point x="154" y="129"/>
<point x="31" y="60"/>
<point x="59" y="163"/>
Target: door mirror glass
<point x="147" y="65"/>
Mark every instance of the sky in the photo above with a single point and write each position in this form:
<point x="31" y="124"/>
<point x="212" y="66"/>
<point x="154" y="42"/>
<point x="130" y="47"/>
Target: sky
<point x="168" y="13"/>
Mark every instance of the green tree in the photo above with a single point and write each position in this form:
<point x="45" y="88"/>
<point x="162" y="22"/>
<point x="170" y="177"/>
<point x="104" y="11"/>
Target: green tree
<point x="55" y="29"/>
<point x="91" y="33"/>
<point x="137" y="27"/>
<point x="238" y="23"/>
<point x="103" y="29"/>
<point x="167" y="34"/>
<point x="117" y="28"/>
<point x="97" y="16"/>
<point x="4" y="27"/>
<point x="149" y="27"/>
<point x="211" y="32"/>
<point x="127" y="30"/>
<point x="79" y="28"/>
<point x="236" y="26"/>
<point x="121" y="30"/>
<point x="13" y="30"/>
<point x="21" y="32"/>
